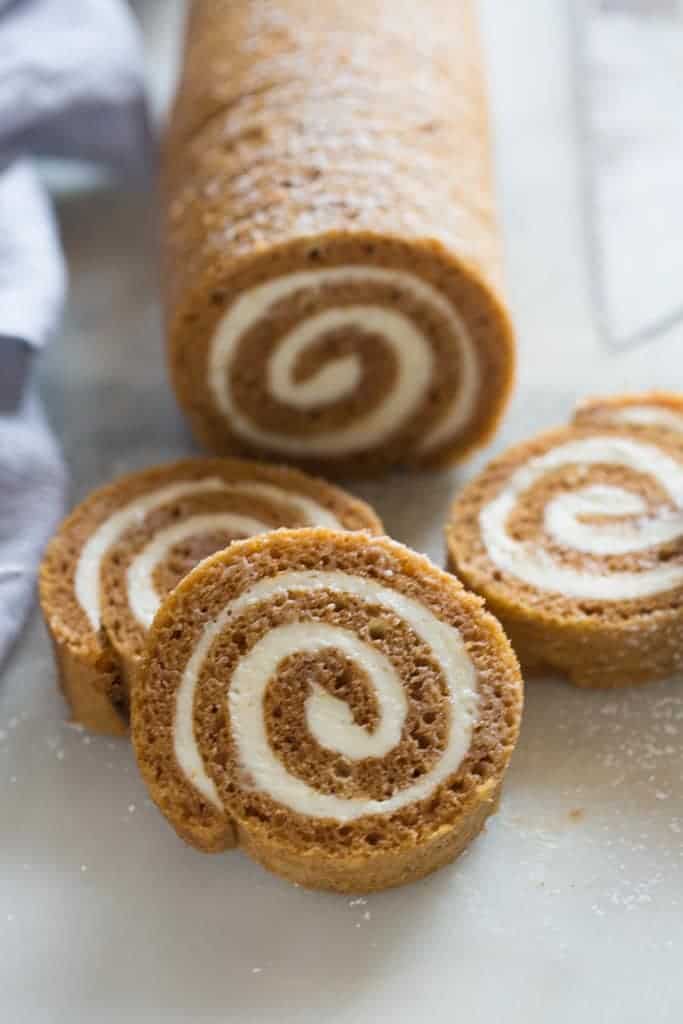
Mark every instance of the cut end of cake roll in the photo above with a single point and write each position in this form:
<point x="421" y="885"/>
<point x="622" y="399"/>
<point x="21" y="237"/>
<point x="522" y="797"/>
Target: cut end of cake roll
<point x="659" y="410"/>
<point x="332" y="702"/>
<point x="332" y="259"/>
<point x="352" y="353"/>
<point x="575" y="540"/>
<point x="126" y="546"/>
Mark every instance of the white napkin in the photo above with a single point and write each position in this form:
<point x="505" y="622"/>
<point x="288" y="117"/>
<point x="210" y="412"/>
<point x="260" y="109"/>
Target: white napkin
<point x="71" y="86"/>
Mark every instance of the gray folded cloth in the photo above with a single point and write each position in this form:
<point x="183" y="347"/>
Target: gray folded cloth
<point x="71" y="86"/>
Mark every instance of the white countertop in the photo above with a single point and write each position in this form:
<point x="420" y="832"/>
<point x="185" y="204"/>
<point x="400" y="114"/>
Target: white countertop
<point x="568" y="908"/>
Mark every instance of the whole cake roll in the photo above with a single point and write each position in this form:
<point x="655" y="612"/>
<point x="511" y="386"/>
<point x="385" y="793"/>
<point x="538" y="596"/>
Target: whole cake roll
<point x="332" y="260"/>
<point x="331" y="702"/>
<point x="661" y="409"/>
<point x="575" y="539"/>
<point x="123" y="548"/>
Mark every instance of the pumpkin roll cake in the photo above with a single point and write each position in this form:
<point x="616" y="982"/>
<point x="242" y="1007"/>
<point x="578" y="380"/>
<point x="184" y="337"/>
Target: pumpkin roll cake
<point x="660" y="409"/>
<point x="330" y="702"/>
<point x="332" y="259"/>
<point x="124" y="547"/>
<point x="575" y="539"/>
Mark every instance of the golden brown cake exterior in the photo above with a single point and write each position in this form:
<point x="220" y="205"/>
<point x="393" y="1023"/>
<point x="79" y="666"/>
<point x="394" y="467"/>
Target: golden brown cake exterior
<point x="332" y="259"/>
<point x="90" y="680"/>
<point x="365" y="873"/>
<point x="135" y="538"/>
<point x="332" y="703"/>
<point x="575" y="540"/>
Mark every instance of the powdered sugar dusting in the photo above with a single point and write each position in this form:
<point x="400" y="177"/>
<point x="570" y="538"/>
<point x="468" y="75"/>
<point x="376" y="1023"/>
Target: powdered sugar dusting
<point x="614" y="757"/>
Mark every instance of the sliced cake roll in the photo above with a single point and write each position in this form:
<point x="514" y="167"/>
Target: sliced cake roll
<point x="662" y="410"/>
<point x="331" y="702"/>
<point x="575" y="539"/>
<point x="124" y="547"/>
<point x="332" y="264"/>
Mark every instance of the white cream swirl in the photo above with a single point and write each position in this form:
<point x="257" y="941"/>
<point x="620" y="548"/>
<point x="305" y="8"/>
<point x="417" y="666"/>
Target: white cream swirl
<point x="143" y="598"/>
<point x="328" y="718"/>
<point x="140" y="590"/>
<point x="645" y="415"/>
<point x="624" y="526"/>
<point x="340" y="377"/>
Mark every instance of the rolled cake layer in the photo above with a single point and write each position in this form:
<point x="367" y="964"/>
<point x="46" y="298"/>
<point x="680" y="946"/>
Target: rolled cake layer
<point x="123" y="548"/>
<point x="661" y="410"/>
<point x="575" y="539"/>
<point x="332" y="257"/>
<point x="332" y="703"/>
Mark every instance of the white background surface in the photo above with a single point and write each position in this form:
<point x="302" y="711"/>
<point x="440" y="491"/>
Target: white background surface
<point x="567" y="909"/>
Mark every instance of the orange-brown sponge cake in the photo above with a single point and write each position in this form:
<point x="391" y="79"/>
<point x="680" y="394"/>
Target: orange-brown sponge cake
<point x="124" y="547"/>
<point x="575" y="539"/>
<point x="333" y="703"/>
<point x="332" y="259"/>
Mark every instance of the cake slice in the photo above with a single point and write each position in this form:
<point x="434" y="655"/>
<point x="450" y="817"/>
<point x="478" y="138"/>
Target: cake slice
<point x="123" y="548"/>
<point x="575" y="539"/>
<point x="332" y="703"/>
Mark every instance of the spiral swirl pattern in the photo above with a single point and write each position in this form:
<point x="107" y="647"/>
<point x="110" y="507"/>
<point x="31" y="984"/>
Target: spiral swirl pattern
<point x="140" y="589"/>
<point x="341" y="377"/>
<point x="326" y="717"/>
<point x="329" y="701"/>
<point x="117" y="555"/>
<point x="331" y="250"/>
<point x="593" y="519"/>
